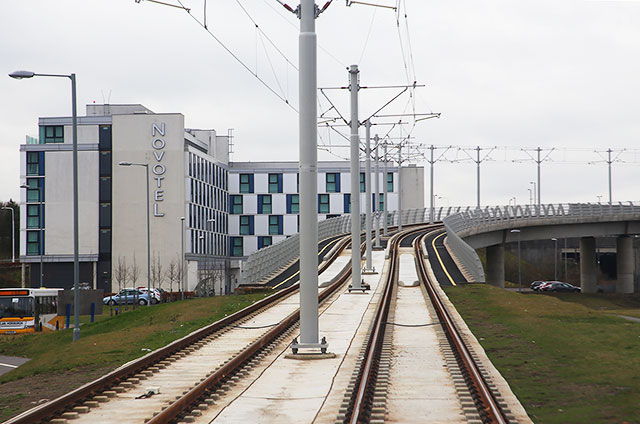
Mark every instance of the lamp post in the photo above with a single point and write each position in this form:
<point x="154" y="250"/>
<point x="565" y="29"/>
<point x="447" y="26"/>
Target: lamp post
<point x="519" y="262"/>
<point x="13" y="233"/>
<point x="146" y="165"/>
<point x="182" y="258"/>
<point x="555" y="259"/>
<point x="41" y="225"/>
<point x="76" y="266"/>
<point x="535" y="193"/>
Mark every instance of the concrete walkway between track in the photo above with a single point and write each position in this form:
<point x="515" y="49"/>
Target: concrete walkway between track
<point x="304" y="391"/>
<point x="421" y="389"/>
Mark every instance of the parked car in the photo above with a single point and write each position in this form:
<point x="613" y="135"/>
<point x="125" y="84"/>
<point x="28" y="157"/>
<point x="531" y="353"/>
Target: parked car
<point x="558" y="286"/>
<point x="534" y="286"/>
<point x="128" y="296"/>
<point x="155" y="294"/>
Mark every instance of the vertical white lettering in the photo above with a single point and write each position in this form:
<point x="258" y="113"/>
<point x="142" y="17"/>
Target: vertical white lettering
<point x="159" y="129"/>
<point x="159" y="155"/>
<point x="159" y="181"/>
<point x="158" y="195"/>
<point x="156" y="212"/>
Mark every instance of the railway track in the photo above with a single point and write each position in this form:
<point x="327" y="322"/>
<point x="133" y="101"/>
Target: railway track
<point x="76" y="406"/>
<point x="365" y="402"/>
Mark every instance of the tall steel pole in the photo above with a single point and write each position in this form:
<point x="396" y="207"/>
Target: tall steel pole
<point x="555" y="259"/>
<point x="40" y="193"/>
<point x="13" y="233"/>
<point x="356" y="278"/>
<point x="432" y="211"/>
<point x="539" y="161"/>
<point x="385" y="198"/>
<point x="76" y="263"/>
<point x="146" y="165"/>
<point x="182" y="258"/>
<point x="399" y="188"/>
<point x="478" y="174"/>
<point x="308" y="176"/>
<point x="376" y="201"/>
<point x="609" y="162"/>
<point x="367" y="200"/>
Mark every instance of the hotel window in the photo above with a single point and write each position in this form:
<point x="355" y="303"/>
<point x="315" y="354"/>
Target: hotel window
<point x="236" y="204"/>
<point x="293" y="203"/>
<point x="33" y="192"/>
<point x="53" y="134"/>
<point x="323" y="203"/>
<point x="264" y="241"/>
<point x="236" y="246"/>
<point x="246" y="225"/>
<point x="275" y="224"/>
<point x="264" y="203"/>
<point x="389" y="181"/>
<point x="246" y="183"/>
<point x="362" y="182"/>
<point x="33" y="242"/>
<point x="33" y="216"/>
<point x="333" y="182"/>
<point x="381" y="202"/>
<point x="275" y="183"/>
<point x="33" y="163"/>
<point x="347" y="203"/>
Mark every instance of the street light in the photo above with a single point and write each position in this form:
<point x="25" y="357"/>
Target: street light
<point x="146" y="165"/>
<point x="182" y="258"/>
<point x="555" y="259"/>
<point x="41" y="225"/>
<point x="13" y="234"/>
<point x="76" y="265"/>
<point x="519" y="262"/>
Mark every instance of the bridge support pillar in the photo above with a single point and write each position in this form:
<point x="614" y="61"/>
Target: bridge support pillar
<point x="588" y="276"/>
<point x="495" y="265"/>
<point x="624" y="264"/>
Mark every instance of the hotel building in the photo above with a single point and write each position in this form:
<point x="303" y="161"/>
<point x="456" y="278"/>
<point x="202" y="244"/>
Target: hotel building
<point x="222" y="211"/>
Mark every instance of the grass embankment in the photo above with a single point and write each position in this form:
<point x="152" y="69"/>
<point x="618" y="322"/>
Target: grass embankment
<point x="567" y="357"/>
<point x="58" y="364"/>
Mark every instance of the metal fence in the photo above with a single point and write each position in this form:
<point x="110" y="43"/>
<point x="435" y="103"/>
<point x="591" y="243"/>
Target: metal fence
<point x="265" y="263"/>
<point x="474" y="221"/>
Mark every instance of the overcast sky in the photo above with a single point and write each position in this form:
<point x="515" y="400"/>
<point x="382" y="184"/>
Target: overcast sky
<point x="511" y="74"/>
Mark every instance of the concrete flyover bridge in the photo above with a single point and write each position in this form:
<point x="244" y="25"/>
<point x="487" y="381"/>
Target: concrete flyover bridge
<point x="492" y="227"/>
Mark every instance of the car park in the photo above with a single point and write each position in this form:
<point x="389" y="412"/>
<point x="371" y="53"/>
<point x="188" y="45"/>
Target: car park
<point x="127" y="296"/>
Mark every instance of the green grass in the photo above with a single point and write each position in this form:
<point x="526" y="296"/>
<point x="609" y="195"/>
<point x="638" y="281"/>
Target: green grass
<point x="566" y="356"/>
<point x="112" y="341"/>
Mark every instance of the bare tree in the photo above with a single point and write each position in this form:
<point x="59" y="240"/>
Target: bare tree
<point x="134" y="273"/>
<point x="157" y="272"/>
<point x="172" y="274"/>
<point x="121" y="273"/>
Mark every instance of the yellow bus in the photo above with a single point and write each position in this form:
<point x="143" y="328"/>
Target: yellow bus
<point x="25" y="310"/>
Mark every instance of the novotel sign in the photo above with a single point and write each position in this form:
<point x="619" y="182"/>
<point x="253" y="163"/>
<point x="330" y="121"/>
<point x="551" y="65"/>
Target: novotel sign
<point x="159" y="169"/>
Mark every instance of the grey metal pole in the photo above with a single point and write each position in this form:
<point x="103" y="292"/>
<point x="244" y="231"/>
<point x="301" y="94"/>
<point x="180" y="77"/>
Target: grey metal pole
<point x="367" y="200"/>
<point x="385" y="198"/>
<point x="182" y="258"/>
<point x="376" y="201"/>
<point x="478" y="174"/>
<point x="519" y="266"/>
<point x="308" y="175"/>
<point x="146" y="165"/>
<point x="566" y="270"/>
<point x="13" y="234"/>
<point x="539" y="199"/>
<point x="432" y="211"/>
<point x="40" y="192"/>
<point x="555" y="259"/>
<point x="356" y="278"/>
<point x="76" y="263"/>
<point x="609" y="162"/>
<point x="399" y="188"/>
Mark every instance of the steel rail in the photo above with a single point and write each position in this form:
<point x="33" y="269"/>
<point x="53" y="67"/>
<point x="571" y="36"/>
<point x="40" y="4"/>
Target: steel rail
<point x="362" y="392"/>
<point x="178" y="408"/>
<point x="489" y="409"/>
<point x="61" y="404"/>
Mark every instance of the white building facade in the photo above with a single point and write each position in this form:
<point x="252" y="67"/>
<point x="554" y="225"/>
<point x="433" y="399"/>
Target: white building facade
<point x="204" y="212"/>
